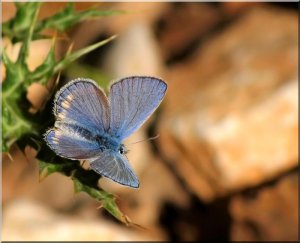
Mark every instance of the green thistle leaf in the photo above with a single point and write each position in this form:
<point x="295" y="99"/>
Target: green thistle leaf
<point x="46" y="70"/>
<point x="68" y="17"/>
<point x="108" y="201"/>
<point x="77" y="54"/>
<point x="16" y="28"/>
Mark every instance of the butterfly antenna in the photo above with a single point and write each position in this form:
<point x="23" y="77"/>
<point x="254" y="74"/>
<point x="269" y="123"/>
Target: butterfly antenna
<point x="147" y="139"/>
<point x="126" y="155"/>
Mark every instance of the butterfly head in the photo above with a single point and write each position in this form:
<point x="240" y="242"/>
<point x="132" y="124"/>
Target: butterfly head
<point x="122" y="149"/>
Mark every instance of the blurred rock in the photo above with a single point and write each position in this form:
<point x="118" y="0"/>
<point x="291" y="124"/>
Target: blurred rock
<point x="21" y="180"/>
<point x="15" y="170"/>
<point x="145" y="13"/>
<point x="233" y="8"/>
<point x="8" y="11"/>
<point x="26" y="220"/>
<point x="231" y="113"/>
<point x="259" y="143"/>
<point x="158" y="186"/>
<point x="135" y="52"/>
<point x="268" y="214"/>
<point x="182" y="25"/>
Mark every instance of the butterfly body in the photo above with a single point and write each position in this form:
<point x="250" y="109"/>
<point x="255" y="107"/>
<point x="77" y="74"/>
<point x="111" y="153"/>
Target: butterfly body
<point x="108" y="143"/>
<point x="90" y="126"/>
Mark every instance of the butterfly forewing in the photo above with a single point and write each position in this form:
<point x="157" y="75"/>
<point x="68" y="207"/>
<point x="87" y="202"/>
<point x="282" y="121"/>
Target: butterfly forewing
<point x="83" y="103"/>
<point x="132" y="101"/>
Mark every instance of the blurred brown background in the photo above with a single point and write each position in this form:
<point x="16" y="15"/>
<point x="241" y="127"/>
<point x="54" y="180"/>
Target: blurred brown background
<point x="225" y="164"/>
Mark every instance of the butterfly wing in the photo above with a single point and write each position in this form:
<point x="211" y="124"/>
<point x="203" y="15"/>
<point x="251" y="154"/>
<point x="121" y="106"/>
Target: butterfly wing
<point x="116" y="167"/>
<point x="83" y="103"/>
<point x="132" y="101"/>
<point x="82" y="113"/>
<point x="71" y="141"/>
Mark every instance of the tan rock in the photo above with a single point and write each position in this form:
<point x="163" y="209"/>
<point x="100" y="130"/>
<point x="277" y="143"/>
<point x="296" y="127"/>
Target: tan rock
<point x="26" y="220"/>
<point x="180" y="28"/>
<point x="134" y="12"/>
<point x="230" y="117"/>
<point x="268" y="214"/>
<point x="135" y="52"/>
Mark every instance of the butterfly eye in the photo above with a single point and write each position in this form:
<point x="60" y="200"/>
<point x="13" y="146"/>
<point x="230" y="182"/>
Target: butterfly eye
<point x="122" y="150"/>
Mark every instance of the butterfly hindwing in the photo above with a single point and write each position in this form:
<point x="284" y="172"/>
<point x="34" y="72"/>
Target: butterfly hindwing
<point x="71" y="141"/>
<point x="116" y="167"/>
<point x="132" y="101"/>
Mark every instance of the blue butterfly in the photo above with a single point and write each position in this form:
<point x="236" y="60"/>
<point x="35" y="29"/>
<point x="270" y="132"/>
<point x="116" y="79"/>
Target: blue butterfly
<point x="90" y="126"/>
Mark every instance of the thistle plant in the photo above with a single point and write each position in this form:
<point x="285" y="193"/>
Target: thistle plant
<point x="23" y="128"/>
